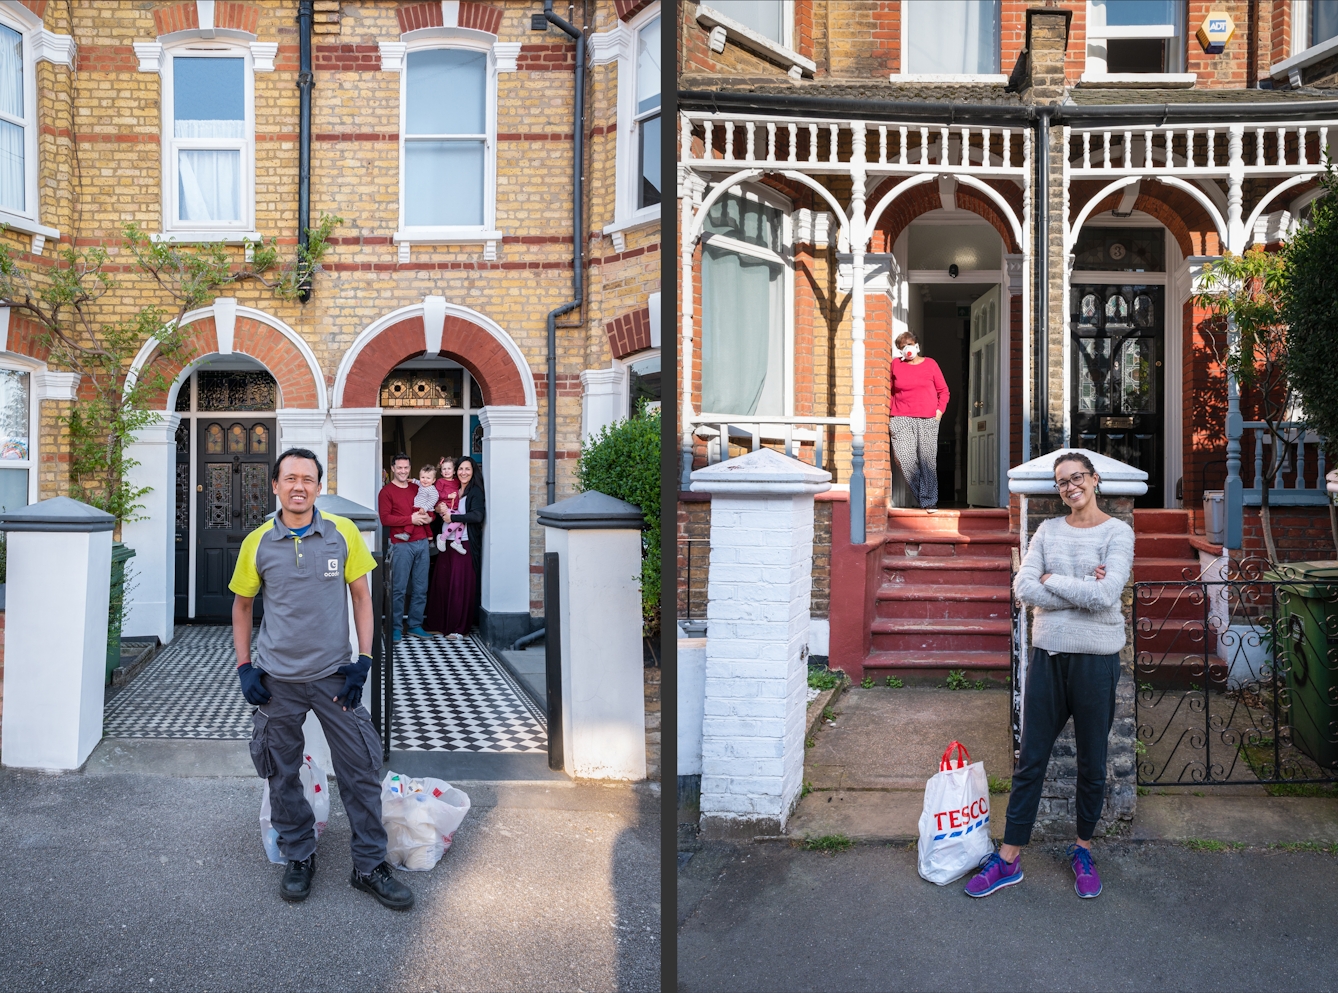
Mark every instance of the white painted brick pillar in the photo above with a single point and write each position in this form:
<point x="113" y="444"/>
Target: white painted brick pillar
<point x="756" y="637"/>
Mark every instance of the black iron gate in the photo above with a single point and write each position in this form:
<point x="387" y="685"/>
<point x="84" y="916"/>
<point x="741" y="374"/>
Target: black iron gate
<point x="1236" y="679"/>
<point x="383" y="656"/>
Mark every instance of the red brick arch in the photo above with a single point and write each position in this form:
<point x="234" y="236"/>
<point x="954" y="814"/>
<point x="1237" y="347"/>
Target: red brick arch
<point x="255" y="339"/>
<point x="183" y="16"/>
<point x="925" y="197"/>
<point x="1181" y="214"/>
<point x="463" y="341"/>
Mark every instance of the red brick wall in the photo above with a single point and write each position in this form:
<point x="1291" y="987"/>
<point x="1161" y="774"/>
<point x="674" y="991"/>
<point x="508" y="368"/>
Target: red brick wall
<point x="629" y="333"/>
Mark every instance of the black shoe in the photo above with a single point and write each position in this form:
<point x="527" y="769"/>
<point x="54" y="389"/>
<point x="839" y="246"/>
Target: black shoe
<point x="384" y="886"/>
<point x="296" y="883"/>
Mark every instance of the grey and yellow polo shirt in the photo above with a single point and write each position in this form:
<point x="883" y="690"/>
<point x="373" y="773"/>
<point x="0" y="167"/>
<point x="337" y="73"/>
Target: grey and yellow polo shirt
<point x="304" y="632"/>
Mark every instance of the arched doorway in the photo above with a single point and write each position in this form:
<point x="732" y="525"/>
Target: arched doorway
<point x="498" y="403"/>
<point x="239" y="368"/>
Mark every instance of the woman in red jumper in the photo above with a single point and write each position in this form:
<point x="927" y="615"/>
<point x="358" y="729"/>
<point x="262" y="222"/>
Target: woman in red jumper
<point x="919" y="398"/>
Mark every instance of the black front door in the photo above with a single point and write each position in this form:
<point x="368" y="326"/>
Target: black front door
<point x="1118" y="332"/>
<point x="233" y="499"/>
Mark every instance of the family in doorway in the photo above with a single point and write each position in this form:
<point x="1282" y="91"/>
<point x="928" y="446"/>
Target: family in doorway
<point x="436" y="524"/>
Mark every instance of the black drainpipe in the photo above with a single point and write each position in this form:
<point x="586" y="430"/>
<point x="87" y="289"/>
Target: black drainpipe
<point x="578" y="248"/>
<point x="304" y="83"/>
<point x="1041" y="335"/>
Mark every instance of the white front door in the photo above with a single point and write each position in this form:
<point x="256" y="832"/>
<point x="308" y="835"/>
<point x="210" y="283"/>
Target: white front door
<point x="982" y="410"/>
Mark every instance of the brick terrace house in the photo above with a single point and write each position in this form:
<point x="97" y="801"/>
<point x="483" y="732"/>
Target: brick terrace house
<point x="1032" y="189"/>
<point x="443" y="133"/>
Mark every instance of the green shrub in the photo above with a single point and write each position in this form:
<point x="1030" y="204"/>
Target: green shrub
<point x="822" y="679"/>
<point x="623" y="461"/>
<point x="1310" y="309"/>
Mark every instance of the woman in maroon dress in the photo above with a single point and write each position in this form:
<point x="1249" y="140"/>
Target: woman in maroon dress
<point x="452" y="604"/>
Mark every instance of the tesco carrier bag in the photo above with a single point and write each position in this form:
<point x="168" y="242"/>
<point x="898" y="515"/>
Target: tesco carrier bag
<point x="955" y="823"/>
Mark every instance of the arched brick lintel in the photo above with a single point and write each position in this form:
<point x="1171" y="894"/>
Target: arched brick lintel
<point x="463" y="341"/>
<point x="252" y="338"/>
<point x="1189" y="225"/>
<point x="925" y="197"/>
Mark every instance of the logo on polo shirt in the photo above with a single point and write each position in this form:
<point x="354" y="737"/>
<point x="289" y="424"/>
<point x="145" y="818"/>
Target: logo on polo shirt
<point x="332" y="568"/>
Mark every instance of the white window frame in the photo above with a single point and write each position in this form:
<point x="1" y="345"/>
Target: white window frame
<point x="904" y="76"/>
<point x="423" y="234"/>
<point x="769" y="197"/>
<point x="626" y="214"/>
<point x="1302" y="54"/>
<point x="36" y="387"/>
<point x="1098" y="33"/>
<point x="195" y="231"/>
<point x="624" y="367"/>
<point x="781" y="53"/>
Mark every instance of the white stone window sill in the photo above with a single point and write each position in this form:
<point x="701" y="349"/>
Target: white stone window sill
<point x="207" y="237"/>
<point x="934" y="77"/>
<point x="1140" y="80"/>
<point x="1299" y="61"/>
<point x="746" y="37"/>
<point x="40" y="232"/>
<point x="644" y="218"/>
<point x="446" y="237"/>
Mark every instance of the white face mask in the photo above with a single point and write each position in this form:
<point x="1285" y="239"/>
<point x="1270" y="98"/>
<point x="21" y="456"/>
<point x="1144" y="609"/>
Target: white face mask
<point x="909" y="352"/>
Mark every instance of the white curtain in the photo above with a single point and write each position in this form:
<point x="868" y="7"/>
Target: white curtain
<point x="742" y="301"/>
<point x="763" y="16"/>
<point x="443" y="183"/>
<point x="953" y="36"/>
<point x="648" y="67"/>
<point x="209" y="184"/>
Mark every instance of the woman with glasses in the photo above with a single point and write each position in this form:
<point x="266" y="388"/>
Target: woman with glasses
<point x="1074" y="575"/>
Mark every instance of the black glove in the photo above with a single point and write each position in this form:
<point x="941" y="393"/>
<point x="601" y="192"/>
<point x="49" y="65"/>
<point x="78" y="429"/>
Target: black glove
<point x="355" y="674"/>
<point x="252" y="688"/>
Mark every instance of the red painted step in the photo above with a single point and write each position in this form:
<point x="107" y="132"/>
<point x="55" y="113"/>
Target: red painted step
<point x="946" y="570"/>
<point x="1169" y="570"/>
<point x="900" y="518"/>
<point x="941" y="635"/>
<point x="1161" y="522"/>
<point x="941" y="543"/>
<point x="938" y="663"/>
<point x="948" y="602"/>
<point x="1166" y="546"/>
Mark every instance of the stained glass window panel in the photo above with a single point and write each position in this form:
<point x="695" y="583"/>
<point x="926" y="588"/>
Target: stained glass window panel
<point x="236" y="440"/>
<point x="217" y="495"/>
<point x="1117" y="309"/>
<point x="213" y="439"/>
<point x="255" y="494"/>
<point x="183" y="496"/>
<point x="1136" y="376"/>
<point x="1143" y="315"/>
<point x="259" y="440"/>
<point x="1094" y="356"/>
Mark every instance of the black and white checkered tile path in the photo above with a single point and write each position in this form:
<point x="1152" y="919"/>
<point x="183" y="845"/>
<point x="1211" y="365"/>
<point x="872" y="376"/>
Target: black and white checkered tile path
<point x="189" y="691"/>
<point x="450" y="695"/>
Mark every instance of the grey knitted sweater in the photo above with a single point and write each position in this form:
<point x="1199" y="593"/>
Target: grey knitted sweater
<point x="1075" y="612"/>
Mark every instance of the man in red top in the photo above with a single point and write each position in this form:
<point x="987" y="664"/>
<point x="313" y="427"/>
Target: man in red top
<point x="410" y="534"/>
<point x="919" y="398"/>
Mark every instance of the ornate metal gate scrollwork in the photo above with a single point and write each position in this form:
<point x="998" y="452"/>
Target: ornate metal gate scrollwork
<point x="1237" y="678"/>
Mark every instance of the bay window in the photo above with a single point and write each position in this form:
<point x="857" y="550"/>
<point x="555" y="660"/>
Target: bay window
<point x="1135" y="37"/>
<point x="746" y="292"/>
<point x="648" y="113"/>
<point x="950" y="37"/>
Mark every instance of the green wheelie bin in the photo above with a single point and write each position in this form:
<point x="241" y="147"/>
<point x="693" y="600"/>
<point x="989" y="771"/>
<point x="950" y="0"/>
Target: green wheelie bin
<point x="1307" y="643"/>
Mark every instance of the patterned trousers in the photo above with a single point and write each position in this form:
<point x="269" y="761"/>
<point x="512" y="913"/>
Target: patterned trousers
<point x="915" y="444"/>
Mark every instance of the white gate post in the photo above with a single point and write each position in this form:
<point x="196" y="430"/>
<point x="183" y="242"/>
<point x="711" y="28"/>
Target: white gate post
<point x="304" y="429"/>
<point x="358" y="447"/>
<point x="756" y="636"/>
<point x="58" y="590"/>
<point x="598" y="542"/>
<point x="505" y="593"/>
<point x="150" y="596"/>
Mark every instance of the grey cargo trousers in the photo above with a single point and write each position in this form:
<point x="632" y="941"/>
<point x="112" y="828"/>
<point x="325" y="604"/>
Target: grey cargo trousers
<point x="277" y="745"/>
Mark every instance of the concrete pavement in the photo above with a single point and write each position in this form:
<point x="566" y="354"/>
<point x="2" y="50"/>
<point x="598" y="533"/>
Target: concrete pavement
<point x="1172" y="917"/>
<point x="128" y="880"/>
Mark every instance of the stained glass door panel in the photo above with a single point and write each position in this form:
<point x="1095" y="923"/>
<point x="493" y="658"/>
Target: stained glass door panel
<point x="233" y="498"/>
<point x="1117" y="387"/>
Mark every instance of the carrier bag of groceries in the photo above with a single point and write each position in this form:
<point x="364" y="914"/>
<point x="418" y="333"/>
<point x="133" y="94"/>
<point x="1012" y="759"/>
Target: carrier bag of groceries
<point x="955" y="823"/>
<point x="421" y="817"/>
<point x="315" y="789"/>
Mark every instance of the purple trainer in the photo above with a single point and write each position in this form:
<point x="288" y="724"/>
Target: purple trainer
<point x="994" y="874"/>
<point x="1086" y="883"/>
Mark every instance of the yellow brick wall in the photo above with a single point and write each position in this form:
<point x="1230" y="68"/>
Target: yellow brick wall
<point x="101" y="167"/>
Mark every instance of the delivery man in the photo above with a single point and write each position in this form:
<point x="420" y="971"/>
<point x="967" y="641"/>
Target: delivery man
<point x="304" y="560"/>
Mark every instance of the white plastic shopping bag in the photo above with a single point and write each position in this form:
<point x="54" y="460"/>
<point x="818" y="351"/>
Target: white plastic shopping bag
<point x="955" y="823"/>
<point x="317" y="792"/>
<point x="421" y="817"/>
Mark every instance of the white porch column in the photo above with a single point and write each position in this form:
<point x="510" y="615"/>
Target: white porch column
<point x="151" y="598"/>
<point x="304" y="429"/>
<point x="601" y="400"/>
<point x="59" y="573"/>
<point x="1236" y="233"/>
<point x="859" y="239"/>
<point x="752" y="761"/>
<point x="507" y="434"/>
<point x="358" y="444"/>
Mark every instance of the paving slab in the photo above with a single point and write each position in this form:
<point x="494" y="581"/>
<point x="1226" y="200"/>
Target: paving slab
<point x="892" y="739"/>
<point x="871" y="815"/>
<point x="1250" y="820"/>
